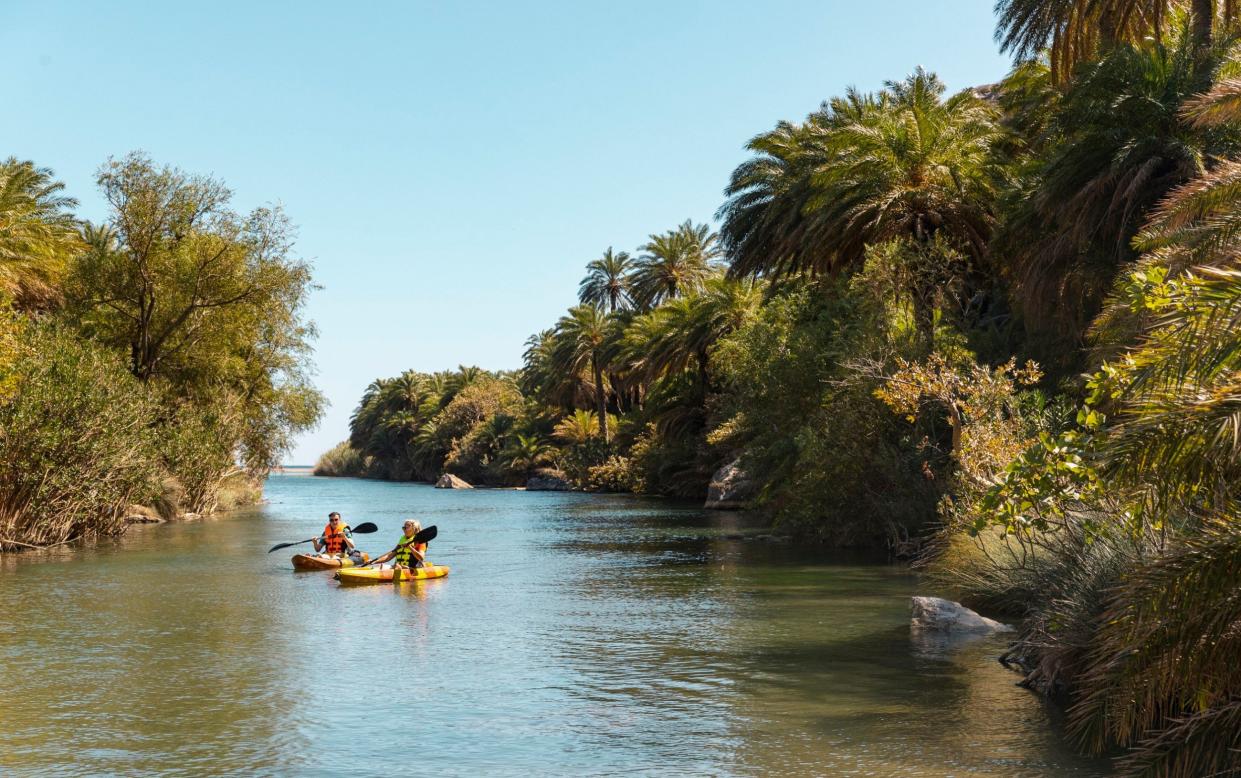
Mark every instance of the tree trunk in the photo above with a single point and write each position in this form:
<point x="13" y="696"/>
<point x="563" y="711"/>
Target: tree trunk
<point x="955" y="421"/>
<point x="924" y="318"/>
<point x="600" y="401"/>
<point x="1203" y="12"/>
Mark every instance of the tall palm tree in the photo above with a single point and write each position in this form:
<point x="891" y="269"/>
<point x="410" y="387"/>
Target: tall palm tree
<point x="1076" y="31"/>
<point x="582" y="337"/>
<point x="674" y="263"/>
<point x="681" y="333"/>
<point x="1121" y="142"/>
<point x="607" y="282"/>
<point x="905" y="166"/>
<point x="38" y="234"/>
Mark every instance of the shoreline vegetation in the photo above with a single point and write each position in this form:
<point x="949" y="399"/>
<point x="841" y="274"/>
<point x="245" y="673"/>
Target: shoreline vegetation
<point x="152" y="366"/>
<point x="998" y="331"/>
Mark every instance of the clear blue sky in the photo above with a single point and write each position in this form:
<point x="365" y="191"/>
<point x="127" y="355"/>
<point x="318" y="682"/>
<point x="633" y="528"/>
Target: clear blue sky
<point x="452" y="165"/>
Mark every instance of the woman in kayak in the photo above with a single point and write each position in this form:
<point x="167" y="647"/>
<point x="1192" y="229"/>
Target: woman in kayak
<point x="337" y="538"/>
<point x="407" y="553"/>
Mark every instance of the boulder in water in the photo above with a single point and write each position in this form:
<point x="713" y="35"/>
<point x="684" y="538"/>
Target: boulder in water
<point x="450" y="481"/>
<point x="938" y="615"/>
<point x="730" y="488"/>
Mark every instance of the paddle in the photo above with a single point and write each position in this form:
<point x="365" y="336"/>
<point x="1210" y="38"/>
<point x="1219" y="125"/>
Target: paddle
<point x="362" y="529"/>
<point x="425" y="536"/>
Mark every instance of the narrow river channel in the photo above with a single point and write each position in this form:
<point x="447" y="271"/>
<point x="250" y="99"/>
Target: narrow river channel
<point x="576" y="635"/>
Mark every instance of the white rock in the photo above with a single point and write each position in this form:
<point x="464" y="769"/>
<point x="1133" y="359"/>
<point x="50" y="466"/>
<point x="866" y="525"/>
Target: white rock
<point x="935" y="614"/>
<point x="730" y="488"/>
<point x="450" y="481"/>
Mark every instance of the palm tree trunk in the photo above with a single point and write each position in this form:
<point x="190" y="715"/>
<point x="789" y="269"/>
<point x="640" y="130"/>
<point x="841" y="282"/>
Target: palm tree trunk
<point x="1203" y="12"/>
<point x="600" y="402"/>
<point x="924" y="318"/>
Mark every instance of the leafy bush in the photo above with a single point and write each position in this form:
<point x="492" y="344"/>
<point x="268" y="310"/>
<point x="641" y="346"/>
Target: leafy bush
<point x="342" y="460"/>
<point x="617" y="474"/>
<point x="828" y="459"/>
<point x="72" y="415"/>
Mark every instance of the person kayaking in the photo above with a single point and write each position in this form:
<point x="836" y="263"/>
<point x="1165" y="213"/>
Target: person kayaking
<point x="407" y="553"/>
<point x="337" y="538"/>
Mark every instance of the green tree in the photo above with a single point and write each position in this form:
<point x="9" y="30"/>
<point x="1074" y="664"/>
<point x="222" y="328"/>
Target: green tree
<point x="1072" y="32"/>
<point x="581" y="340"/>
<point x="1119" y="141"/>
<point x="38" y="234"/>
<point x="673" y="263"/>
<point x="204" y="302"/>
<point x="607" y="282"/>
<point x="904" y="166"/>
<point x="524" y="454"/>
<point x="578" y="428"/>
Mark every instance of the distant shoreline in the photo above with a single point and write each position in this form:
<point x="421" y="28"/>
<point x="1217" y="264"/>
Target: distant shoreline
<point x="293" y="469"/>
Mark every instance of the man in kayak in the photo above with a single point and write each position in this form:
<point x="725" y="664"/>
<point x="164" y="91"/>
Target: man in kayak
<point x="407" y="553"/>
<point x="337" y="538"/>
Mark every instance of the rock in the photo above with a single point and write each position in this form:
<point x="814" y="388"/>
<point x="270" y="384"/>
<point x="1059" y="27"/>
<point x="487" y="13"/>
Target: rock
<point x="730" y="488"/>
<point x="450" y="481"/>
<point x="937" y="615"/>
<point x="141" y="514"/>
<point x="547" y="482"/>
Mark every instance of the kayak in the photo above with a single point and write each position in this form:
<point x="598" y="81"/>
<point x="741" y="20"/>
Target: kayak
<point x="316" y="562"/>
<point x="372" y="575"/>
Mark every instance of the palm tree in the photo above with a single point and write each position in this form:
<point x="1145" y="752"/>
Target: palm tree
<point x="1121" y="142"/>
<point x="1075" y="31"/>
<point x="1168" y="688"/>
<point x="607" y="282"/>
<point x="906" y="166"/>
<point x="524" y="453"/>
<point x="581" y="339"/>
<point x="577" y="428"/>
<point x="38" y="234"/>
<point x="674" y="263"/>
<point x="681" y="333"/>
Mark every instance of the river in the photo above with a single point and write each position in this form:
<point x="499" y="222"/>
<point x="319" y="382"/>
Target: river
<point x="576" y="635"/>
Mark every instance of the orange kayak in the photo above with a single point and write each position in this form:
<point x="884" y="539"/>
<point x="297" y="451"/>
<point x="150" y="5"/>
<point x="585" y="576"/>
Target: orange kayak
<point x="371" y="575"/>
<point x="324" y="562"/>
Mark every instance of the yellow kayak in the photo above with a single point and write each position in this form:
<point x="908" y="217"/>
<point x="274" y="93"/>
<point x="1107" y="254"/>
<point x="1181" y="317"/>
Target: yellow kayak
<point x="371" y="575"/>
<point x="322" y="562"/>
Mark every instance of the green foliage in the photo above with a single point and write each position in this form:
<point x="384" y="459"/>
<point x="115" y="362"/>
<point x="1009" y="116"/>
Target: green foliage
<point x="342" y="460"/>
<point x="673" y="264"/>
<point x="418" y="425"/>
<point x="827" y="459"/>
<point x="76" y="440"/>
<point x="204" y="305"/>
<point x="38" y="235"/>
<point x="1117" y="141"/>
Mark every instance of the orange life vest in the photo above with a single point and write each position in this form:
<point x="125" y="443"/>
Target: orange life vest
<point x="334" y="541"/>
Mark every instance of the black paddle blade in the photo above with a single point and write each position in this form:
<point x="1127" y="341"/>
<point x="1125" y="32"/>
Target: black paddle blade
<point x="364" y="528"/>
<point x="286" y="545"/>
<point x="426" y="535"/>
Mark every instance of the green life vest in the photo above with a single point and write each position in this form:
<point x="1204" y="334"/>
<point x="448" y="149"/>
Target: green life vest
<point x="404" y="548"/>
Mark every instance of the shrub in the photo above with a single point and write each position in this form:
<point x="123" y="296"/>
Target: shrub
<point x="72" y="416"/>
<point x="617" y="474"/>
<point x="342" y="460"/>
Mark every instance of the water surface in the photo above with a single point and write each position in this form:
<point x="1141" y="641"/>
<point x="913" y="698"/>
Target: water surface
<point x="576" y="635"/>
